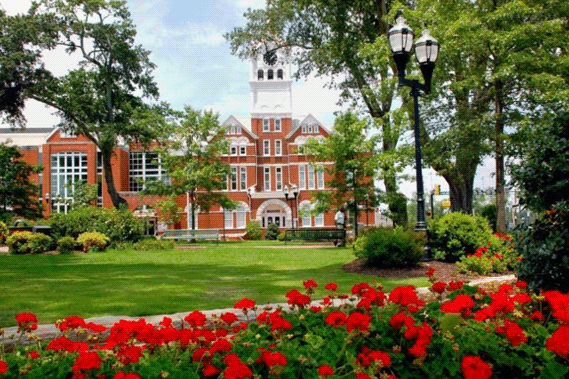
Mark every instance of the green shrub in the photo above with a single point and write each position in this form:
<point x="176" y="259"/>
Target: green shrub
<point x="499" y="256"/>
<point x="66" y="245"/>
<point x="118" y="225"/>
<point x="253" y="230"/>
<point x="383" y="247"/>
<point x="28" y="243"/>
<point x="281" y="236"/>
<point x="272" y="231"/>
<point x="93" y="241"/>
<point x="489" y="212"/>
<point x="148" y="244"/>
<point x="3" y="232"/>
<point x="544" y="250"/>
<point x="457" y="234"/>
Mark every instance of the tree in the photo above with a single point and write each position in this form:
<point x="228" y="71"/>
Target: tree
<point x="330" y="38"/>
<point x="354" y="168"/>
<point x="19" y="195"/>
<point x="192" y="145"/>
<point x="102" y="98"/>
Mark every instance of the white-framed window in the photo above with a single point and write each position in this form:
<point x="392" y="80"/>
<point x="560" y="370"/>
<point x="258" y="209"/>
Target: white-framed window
<point x="66" y="169"/>
<point x="143" y="166"/>
<point x="309" y="129"/>
<point x="320" y="178"/>
<point x="233" y="150"/>
<point x="277" y="124"/>
<point x="310" y="177"/>
<point x="67" y="134"/>
<point x="301" y="177"/>
<point x="319" y="219"/>
<point x="228" y="219"/>
<point x="306" y="219"/>
<point x="242" y="150"/>
<point x="240" y="217"/>
<point x="266" y="147"/>
<point x="278" y="147"/>
<point x="278" y="178"/>
<point x="266" y="125"/>
<point x="243" y="178"/>
<point x="315" y="128"/>
<point x="267" y="178"/>
<point x="303" y="128"/>
<point x="234" y="178"/>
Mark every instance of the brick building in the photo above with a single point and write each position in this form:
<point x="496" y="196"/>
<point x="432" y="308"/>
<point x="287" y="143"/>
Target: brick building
<point x="265" y="156"/>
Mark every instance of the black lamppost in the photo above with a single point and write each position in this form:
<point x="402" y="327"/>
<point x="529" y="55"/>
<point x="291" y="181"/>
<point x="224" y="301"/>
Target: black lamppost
<point x="291" y="195"/>
<point x="426" y="52"/>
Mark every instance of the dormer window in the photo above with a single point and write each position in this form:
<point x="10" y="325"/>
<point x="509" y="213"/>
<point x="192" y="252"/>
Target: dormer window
<point x="315" y="128"/>
<point x="260" y="75"/>
<point x="303" y="128"/>
<point x="279" y="73"/>
<point x="309" y="129"/>
<point x="270" y="75"/>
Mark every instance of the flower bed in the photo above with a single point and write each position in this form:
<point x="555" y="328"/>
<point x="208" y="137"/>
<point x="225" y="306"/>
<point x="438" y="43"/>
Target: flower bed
<point x="464" y="332"/>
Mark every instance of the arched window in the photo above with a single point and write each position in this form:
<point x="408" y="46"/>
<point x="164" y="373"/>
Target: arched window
<point x="260" y="75"/>
<point x="279" y="73"/>
<point x="270" y="75"/>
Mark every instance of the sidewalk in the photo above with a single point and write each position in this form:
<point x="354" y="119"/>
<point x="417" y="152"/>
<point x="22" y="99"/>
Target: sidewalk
<point x="49" y="331"/>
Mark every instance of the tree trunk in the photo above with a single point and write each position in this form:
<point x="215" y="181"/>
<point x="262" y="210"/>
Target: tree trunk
<point x="108" y="173"/>
<point x="499" y="146"/>
<point x="460" y="193"/>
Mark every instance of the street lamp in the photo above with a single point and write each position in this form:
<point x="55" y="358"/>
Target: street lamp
<point x="291" y="194"/>
<point x="426" y="51"/>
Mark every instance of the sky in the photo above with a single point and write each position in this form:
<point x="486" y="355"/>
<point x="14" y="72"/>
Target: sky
<point x="195" y="66"/>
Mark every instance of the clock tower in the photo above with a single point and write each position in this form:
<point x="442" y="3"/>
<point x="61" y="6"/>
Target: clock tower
<point x="270" y="81"/>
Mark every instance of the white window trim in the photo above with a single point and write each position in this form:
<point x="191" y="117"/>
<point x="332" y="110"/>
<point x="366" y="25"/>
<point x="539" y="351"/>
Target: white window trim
<point x="302" y="177"/>
<point x="266" y="125"/>
<point x="241" y="218"/>
<point x="267" y="170"/>
<point x="266" y="147"/>
<point x="243" y="178"/>
<point x="233" y="150"/>
<point x="242" y="150"/>
<point x="303" y="128"/>
<point x="319" y="220"/>
<point x="311" y="174"/>
<point x="226" y="218"/>
<point x="278" y="181"/>
<point x="234" y="179"/>
<point x="306" y="216"/>
<point x="320" y="178"/>
<point x="278" y="122"/>
<point x="279" y="151"/>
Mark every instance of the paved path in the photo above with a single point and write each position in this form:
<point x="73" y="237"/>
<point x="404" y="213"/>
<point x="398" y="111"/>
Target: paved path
<point x="49" y="331"/>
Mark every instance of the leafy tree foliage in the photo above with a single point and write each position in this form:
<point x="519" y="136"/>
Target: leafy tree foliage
<point x="193" y="143"/>
<point x="102" y="99"/>
<point x="354" y="167"/>
<point x="332" y="38"/>
<point x="19" y="196"/>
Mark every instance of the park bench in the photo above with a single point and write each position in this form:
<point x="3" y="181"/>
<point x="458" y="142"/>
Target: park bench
<point x="338" y="236"/>
<point x="191" y="235"/>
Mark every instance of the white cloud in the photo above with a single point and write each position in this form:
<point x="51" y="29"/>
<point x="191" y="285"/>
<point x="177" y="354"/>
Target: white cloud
<point x="14" y="7"/>
<point x="253" y="4"/>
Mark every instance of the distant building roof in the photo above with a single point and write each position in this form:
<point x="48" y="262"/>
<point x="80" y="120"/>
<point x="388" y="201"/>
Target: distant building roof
<point x="25" y="137"/>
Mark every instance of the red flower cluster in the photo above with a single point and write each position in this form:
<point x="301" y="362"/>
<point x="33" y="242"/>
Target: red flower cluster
<point x="27" y="321"/>
<point x="514" y="333"/>
<point x="475" y="368"/>
<point x="358" y="321"/>
<point x="336" y="318"/>
<point x="296" y="298"/>
<point x="86" y="361"/>
<point x="367" y="357"/>
<point x="245" y="304"/>
<point x="275" y="319"/>
<point x="399" y="320"/>
<point x="3" y="367"/>
<point x="371" y="297"/>
<point x="229" y="318"/>
<point x="235" y="368"/>
<point x="310" y="284"/>
<point x="123" y="375"/>
<point x="331" y="287"/>
<point x="325" y="370"/>
<point x="422" y="336"/>
<point x="460" y="304"/>
<point x="439" y="287"/>
<point x="407" y="297"/>
<point x="196" y="318"/>
<point x="272" y="358"/>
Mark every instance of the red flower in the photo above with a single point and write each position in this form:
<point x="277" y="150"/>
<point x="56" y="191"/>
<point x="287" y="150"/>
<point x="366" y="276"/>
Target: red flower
<point x="71" y="322"/>
<point x="537" y="316"/>
<point x="3" y="367"/>
<point x="33" y="354"/>
<point x="521" y="284"/>
<point x="559" y="341"/>
<point x="219" y="346"/>
<point x="86" y="361"/>
<point x="129" y="354"/>
<point x="245" y="304"/>
<point x="325" y="370"/>
<point x="455" y="286"/>
<point x="461" y="304"/>
<point x="196" y="318"/>
<point x="273" y="358"/>
<point x="315" y="309"/>
<point x="406" y="296"/>
<point x="296" y="298"/>
<point x="422" y="336"/>
<point x="210" y="370"/>
<point x="229" y="318"/>
<point x="310" y="284"/>
<point x="336" y="318"/>
<point x="430" y="272"/>
<point x="439" y="287"/>
<point x="367" y="356"/>
<point x="235" y="368"/>
<point x="358" y="321"/>
<point x="514" y="333"/>
<point x="358" y="289"/>
<point x="27" y="321"/>
<point x="475" y="368"/>
<point x="360" y="375"/>
<point x="331" y="287"/>
<point x="560" y="304"/>
<point x="130" y="375"/>
<point x="97" y="328"/>
<point x="166" y="322"/>
<point x="400" y="320"/>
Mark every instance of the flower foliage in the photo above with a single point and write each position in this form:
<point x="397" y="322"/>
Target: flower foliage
<point x="461" y="332"/>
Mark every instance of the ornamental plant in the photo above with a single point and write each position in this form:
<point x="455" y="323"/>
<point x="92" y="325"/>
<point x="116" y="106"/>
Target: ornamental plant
<point x="66" y="245"/>
<point x="386" y="247"/>
<point x="93" y="241"/>
<point x="498" y="256"/>
<point x="3" y="232"/>
<point x="459" y="332"/>
<point x="28" y="243"/>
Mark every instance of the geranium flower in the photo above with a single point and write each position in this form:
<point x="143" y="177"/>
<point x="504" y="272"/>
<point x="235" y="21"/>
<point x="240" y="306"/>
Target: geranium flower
<point x="123" y="375"/>
<point x="310" y="284"/>
<point x="439" y="287"/>
<point x="475" y="368"/>
<point x="455" y="286"/>
<point x="272" y="359"/>
<point x="358" y="321"/>
<point x="166" y="322"/>
<point x="33" y="354"/>
<point x="406" y="296"/>
<point x="559" y="341"/>
<point x="196" y="318"/>
<point x="70" y="322"/>
<point x="331" y="287"/>
<point x="3" y="367"/>
<point x="400" y="320"/>
<point x="325" y="370"/>
<point x="229" y="318"/>
<point x="235" y="368"/>
<point x="129" y="354"/>
<point x="296" y="298"/>
<point x="210" y="370"/>
<point x="221" y="345"/>
<point x="245" y="304"/>
<point x="521" y="284"/>
<point x="27" y="321"/>
<point x="86" y="361"/>
<point x="514" y="333"/>
<point x="336" y="318"/>
<point x="461" y="304"/>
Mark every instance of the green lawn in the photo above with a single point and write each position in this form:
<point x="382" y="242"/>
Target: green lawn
<point x="136" y="283"/>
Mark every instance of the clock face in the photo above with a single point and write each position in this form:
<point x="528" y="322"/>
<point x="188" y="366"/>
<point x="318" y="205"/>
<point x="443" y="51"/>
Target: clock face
<point x="270" y="58"/>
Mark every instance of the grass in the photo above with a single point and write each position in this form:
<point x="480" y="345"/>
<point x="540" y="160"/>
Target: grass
<point x="137" y="283"/>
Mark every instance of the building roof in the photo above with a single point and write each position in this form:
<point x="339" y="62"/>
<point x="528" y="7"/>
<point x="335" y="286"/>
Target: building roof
<point x="25" y="136"/>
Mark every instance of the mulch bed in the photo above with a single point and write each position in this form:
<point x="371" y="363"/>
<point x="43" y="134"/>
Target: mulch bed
<point x="443" y="271"/>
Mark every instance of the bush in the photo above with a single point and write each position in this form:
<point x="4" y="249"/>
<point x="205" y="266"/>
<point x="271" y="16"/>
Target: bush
<point x="66" y="245"/>
<point x="281" y="236"/>
<point x="253" y="230"/>
<point x="489" y="212"/>
<point x="457" y="234"/>
<point x="544" y="250"/>
<point x="272" y="231"/>
<point x="118" y="225"/>
<point x="93" y="241"/>
<point x="28" y="243"/>
<point x="148" y="244"/>
<point x="498" y="256"/>
<point x="3" y="232"/>
<point x="383" y="247"/>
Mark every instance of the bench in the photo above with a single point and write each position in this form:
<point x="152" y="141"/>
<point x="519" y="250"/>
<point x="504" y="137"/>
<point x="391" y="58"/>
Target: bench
<point x="191" y="235"/>
<point x="338" y="236"/>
